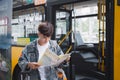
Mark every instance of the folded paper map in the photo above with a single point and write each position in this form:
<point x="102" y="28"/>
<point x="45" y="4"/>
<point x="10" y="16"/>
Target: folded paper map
<point x="49" y="58"/>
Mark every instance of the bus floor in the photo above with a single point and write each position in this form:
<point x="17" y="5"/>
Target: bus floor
<point x="81" y="77"/>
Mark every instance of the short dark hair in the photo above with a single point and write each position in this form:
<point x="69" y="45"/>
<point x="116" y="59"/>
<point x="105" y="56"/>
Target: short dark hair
<point x="46" y="29"/>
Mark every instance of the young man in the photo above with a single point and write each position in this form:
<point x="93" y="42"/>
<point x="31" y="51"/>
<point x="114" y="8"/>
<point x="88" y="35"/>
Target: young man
<point x="33" y="52"/>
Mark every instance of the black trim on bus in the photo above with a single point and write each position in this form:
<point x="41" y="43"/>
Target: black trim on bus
<point x="110" y="39"/>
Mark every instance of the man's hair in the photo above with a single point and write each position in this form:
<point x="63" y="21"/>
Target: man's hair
<point x="46" y="29"/>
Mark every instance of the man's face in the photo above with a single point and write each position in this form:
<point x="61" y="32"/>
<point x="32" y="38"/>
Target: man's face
<point x="44" y="39"/>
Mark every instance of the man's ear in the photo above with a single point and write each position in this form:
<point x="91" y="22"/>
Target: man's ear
<point x="38" y="34"/>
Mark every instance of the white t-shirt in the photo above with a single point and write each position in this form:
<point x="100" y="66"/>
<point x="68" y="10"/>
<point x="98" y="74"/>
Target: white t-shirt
<point x="41" y="50"/>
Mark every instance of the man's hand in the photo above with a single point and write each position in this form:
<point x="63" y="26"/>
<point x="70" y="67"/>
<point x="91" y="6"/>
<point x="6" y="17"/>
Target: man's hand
<point x="68" y="59"/>
<point x="33" y="65"/>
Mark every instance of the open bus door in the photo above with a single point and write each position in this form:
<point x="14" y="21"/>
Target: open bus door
<point x="63" y="30"/>
<point x="55" y="10"/>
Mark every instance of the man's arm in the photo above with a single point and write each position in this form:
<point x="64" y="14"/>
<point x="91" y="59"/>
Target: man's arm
<point x="23" y="60"/>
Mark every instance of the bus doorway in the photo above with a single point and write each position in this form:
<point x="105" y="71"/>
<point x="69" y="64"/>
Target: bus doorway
<point x="88" y="37"/>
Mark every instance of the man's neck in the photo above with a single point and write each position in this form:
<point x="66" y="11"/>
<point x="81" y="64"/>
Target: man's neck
<point x="41" y="43"/>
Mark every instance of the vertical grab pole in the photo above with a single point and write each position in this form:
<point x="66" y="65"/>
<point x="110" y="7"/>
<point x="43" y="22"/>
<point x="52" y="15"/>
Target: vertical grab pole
<point x="103" y="30"/>
<point x="99" y="46"/>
